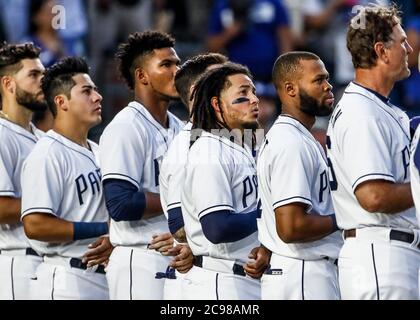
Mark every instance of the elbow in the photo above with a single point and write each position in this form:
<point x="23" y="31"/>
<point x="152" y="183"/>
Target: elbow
<point x="31" y="228"/>
<point x="287" y="236"/>
<point x="372" y="204"/>
<point x="215" y="238"/>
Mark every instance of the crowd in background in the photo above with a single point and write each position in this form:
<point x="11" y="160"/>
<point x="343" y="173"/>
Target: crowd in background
<point x="251" y="32"/>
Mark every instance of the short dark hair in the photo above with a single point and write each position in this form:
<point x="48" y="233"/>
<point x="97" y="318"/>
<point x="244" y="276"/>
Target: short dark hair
<point x="192" y="69"/>
<point x="58" y="79"/>
<point x="210" y="85"/>
<point x="11" y="56"/>
<point x="287" y="66"/>
<point x="379" y="22"/>
<point x="138" y="45"/>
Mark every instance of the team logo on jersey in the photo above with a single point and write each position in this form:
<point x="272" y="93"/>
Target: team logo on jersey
<point x="90" y="181"/>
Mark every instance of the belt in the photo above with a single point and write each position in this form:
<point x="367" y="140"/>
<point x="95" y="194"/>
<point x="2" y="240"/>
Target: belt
<point x="236" y="268"/>
<point x="77" y="263"/>
<point x="393" y="235"/>
<point x="20" y="252"/>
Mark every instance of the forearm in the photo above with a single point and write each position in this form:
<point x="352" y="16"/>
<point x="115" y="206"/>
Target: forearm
<point x="180" y="235"/>
<point x="48" y="228"/>
<point x="384" y="197"/>
<point x="153" y="205"/>
<point x="398" y="198"/>
<point x="10" y="210"/>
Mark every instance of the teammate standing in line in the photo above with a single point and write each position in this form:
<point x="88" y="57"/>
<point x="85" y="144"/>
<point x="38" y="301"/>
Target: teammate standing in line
<point x="131" y="150"/>
<point x="219" y="194"/>
<point x="63" y="207"/>
<point x="172" y="175"/>
<point x="298" y="222"/>
<point x="368" y="145"/>
<point x="20" y="87"/>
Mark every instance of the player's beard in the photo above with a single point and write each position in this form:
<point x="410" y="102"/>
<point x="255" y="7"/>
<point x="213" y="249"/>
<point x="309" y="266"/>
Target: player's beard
<point x="29" y="100"/>
<point x="311" y="106"/>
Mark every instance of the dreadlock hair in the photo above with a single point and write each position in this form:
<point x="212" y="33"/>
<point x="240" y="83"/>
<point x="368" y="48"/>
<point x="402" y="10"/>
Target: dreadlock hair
<point x="58" y="79"/>
<point x="131" y="53"/>
<point x="210" y="85"/>
<point x="192" y="69"/>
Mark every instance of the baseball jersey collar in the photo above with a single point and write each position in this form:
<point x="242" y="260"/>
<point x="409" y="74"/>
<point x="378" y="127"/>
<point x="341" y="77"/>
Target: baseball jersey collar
<point x="18" y="129"/>
<point x="72" y="145"/>
<point x="139" y="107"/>
<point x="376" y="94"/>
<point x="285" y="118"/>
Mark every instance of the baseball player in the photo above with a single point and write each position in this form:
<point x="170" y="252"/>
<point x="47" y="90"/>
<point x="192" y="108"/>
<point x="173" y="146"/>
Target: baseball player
<point x="131" y="149"/>
<point x="298" y="223"/>
<point x="20" y="88"/>
<point x="219" y="194"/>
<point x="63" y="208"/>
<point x="172" y="170"/>
<point x="368" y="146"/>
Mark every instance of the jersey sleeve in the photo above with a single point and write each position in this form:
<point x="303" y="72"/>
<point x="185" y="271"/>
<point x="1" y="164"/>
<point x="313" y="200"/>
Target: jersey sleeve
<point x="7" y="189"/>
<point x="122" y="153"/>
<point x="364" y="143"/>
<point x="42" y="182"/>
<point x="291" y="174"/>
<point x="210" y="189"/>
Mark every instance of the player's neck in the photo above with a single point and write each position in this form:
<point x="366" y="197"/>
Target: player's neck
<point x="158" y="108"/>
<point x="78" y="134"/>
<point x="374" y="80"/>
<point x="17" y="114"/>
<point x="307" y="120"/>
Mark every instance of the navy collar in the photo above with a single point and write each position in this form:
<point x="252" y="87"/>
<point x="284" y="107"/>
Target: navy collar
<point x="377" y="94"/>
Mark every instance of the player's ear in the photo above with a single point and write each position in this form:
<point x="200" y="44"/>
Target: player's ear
<point x="290" y="88"/>
<point x="141" y="75"/>
<point x="215" y="103"/>
<point x="8" y="84"/>
<point x="61" y="102"/>
<point x="381" y="52"/>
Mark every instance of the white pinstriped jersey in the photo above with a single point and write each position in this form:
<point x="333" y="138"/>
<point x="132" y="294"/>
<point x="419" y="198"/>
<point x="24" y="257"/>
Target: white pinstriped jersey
<point x="368" y="139"/>
<point x="292" y="167"/>
<point x="132" y="147"/>
<point x="219" y="175"/>
<point x="415" y="172"/>
<point x="172" y="173"/>
<point x="16" y="144"/>
<point x="63" y="179"/>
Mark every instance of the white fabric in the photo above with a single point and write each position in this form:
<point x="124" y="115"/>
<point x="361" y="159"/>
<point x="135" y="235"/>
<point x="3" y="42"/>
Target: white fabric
<point x="131" y="274"/>
<point x="16" y="144"/>
<point x="203" y="284"/>
<point x="219" y="175"/>
<point x="372" y="264"/>
<point x="172" y="173"/>
<point x="292" y="168"/>
<point x="173" y="287"/>
<point x="63" y="179"/>
<point x="132" y="147"/>
<point x="56" y="280"/>
<point x="296" y="279"/>
<point x="415" y="173"/>
<point x="16" y="272"/>
<point x="369" y="140"/>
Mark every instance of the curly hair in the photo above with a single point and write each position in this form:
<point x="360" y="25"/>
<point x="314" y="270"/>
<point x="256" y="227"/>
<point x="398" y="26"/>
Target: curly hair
<point x="192" y="69"/>
<point x="11" y="56"/>
<point x="138" y="45"/>
<point x="58" y="79"/>
<point x="378" y="23"/>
